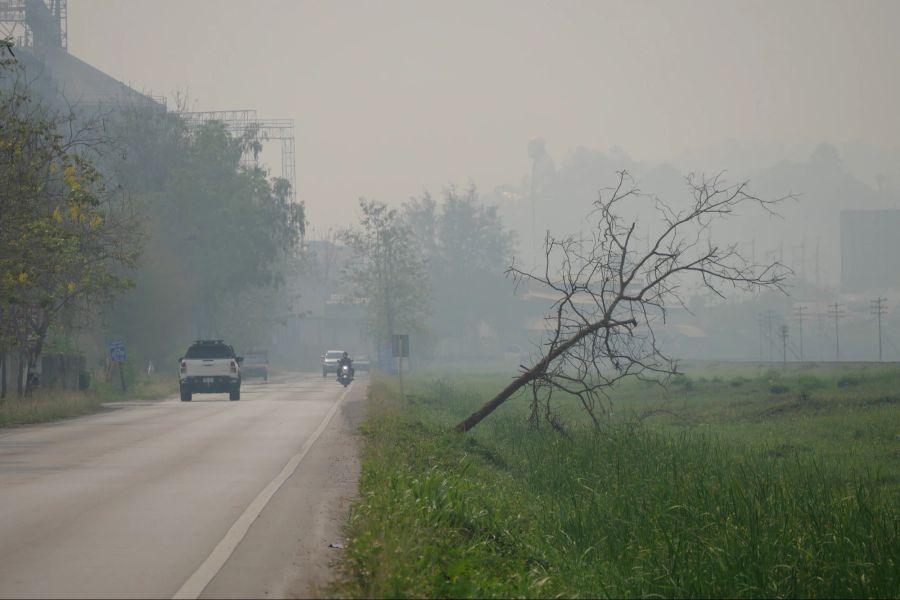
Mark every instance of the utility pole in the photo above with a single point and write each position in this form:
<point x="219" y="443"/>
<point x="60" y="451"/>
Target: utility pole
<point x="759" y="323"/>
<point x="878" y="307"/>
<point x="769" y="316"/>
<point x="818" y="278"/>
<point x="798" y="314"/>
<point x="837" y="311"/>
<point x="533" y="222"/>
<point x="802" y="251"/>
<point x="803" y="264"/>
<point x="784" y="337"/>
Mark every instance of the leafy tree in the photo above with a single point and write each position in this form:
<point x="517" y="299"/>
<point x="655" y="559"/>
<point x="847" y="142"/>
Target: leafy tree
<point x="79" y="195"/>
<point x="151" y="142"/>
<point x="64" y="237"/>
<point x="219" y="238"/>
<point x="387" y="271"/>
<point x="466" y="249"/>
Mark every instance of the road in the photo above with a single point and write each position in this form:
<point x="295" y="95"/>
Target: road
<point x="169" y="499"/>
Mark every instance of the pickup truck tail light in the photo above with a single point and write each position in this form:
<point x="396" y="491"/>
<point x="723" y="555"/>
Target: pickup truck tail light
<point x="233" y="366"/>
<point x="183" y="367"/>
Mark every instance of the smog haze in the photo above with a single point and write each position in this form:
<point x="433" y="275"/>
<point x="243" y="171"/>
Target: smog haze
<point x="391" y="98"/>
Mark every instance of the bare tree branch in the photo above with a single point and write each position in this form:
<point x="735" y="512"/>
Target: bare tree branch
<point x="610" y="296"/>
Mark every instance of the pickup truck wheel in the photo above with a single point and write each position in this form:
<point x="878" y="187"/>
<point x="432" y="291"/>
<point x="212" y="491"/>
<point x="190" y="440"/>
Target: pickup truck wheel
<point x="185" y="395"/>
<point x="234" y="394"/>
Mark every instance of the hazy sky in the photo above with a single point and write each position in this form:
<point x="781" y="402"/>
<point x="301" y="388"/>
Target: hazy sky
<point x="393" y="97"/>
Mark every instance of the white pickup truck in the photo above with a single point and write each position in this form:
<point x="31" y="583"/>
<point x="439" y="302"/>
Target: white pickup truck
<point x="208" y="367"/>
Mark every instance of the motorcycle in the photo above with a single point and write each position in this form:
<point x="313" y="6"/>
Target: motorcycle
<point x="344" y="375"/>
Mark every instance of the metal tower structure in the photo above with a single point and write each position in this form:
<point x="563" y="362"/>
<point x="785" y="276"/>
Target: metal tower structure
<point x="30" y="23"/>
<point x="239" y="122"/>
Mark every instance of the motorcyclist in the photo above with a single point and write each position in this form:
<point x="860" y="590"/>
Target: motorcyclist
<point x="344" y="360"/>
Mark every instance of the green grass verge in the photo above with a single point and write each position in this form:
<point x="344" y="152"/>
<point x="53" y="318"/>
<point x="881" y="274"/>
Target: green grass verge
<point x="642" y="509"/>
<point x="52" y="405"/>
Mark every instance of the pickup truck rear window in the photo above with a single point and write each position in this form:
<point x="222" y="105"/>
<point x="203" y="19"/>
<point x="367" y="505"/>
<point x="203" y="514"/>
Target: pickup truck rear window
<point x="209" y="351"/>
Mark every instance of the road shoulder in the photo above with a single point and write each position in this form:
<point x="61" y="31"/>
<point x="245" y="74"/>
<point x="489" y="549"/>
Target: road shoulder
<point x="286" y="550"/>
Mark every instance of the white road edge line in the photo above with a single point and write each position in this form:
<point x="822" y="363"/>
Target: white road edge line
<point x="196" y="583"/>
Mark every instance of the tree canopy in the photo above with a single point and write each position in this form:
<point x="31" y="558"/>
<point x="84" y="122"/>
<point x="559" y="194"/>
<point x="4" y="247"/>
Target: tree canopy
<point x="219" y="236"/>
<point x="387" y="271"/>
<point x="66" y="240"/>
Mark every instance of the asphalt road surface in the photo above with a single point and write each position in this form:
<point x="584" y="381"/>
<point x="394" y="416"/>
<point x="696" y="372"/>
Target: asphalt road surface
<point x="166" y="499"/>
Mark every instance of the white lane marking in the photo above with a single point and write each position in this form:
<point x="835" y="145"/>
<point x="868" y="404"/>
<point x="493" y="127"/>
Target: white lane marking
<point x="196" y="583"/>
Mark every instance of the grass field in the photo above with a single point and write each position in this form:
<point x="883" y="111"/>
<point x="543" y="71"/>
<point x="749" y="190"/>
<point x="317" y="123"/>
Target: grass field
<point x="51" y="405"/>
<point x="731" y="482"/>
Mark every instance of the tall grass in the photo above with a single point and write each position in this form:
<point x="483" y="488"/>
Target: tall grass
<point x="632" y="511"/>
<point x="44" y="405"/>
<point x="51" y="405"/>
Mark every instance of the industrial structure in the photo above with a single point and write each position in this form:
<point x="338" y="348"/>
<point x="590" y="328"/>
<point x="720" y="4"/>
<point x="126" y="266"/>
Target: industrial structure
<point x="34" y="23"/>
<point x="40" y="29"/>
<point x="241" y="122"/>
<point x="39" y="32"/>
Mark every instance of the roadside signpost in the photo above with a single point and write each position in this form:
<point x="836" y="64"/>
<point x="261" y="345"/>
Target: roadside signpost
<point x="118" y="355"/>
<point x="117" y="352"/>
<point x="400" y="347"/>
<point x="400" y="344"/>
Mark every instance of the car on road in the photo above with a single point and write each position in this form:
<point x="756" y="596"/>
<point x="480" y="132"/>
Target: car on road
<point x="362" y="363"/>
<point x="330" y="361"/>
<point x="256" y="364"/>
<point x="209" y="367"/>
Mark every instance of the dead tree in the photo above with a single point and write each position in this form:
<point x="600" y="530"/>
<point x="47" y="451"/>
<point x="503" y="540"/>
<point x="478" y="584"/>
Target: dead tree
<point x="610" y="294"/>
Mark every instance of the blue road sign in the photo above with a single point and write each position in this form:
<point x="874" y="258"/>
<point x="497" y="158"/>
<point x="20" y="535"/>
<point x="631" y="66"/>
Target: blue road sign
<point x="117" y="351"/>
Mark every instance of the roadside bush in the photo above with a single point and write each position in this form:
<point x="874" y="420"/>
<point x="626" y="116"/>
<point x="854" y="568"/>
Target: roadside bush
<point x="849" y="381"/>
<point x="810" y="382"/>
<point x="84" y="380"/>
<point x="683" y="381"/>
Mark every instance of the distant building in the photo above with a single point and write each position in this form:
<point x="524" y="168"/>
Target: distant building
<point x="870" y="250"/>
<point x="38" y="30"/>
<point x="58" y="76"/>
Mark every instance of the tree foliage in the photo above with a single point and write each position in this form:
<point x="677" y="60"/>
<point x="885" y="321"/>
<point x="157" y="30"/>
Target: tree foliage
<point x="466" y="249"/>
<point x="82" y="192"/>
<point x="387" y="271"/>
<point x="219" y="235"/>
<point x="66" y="241"/>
